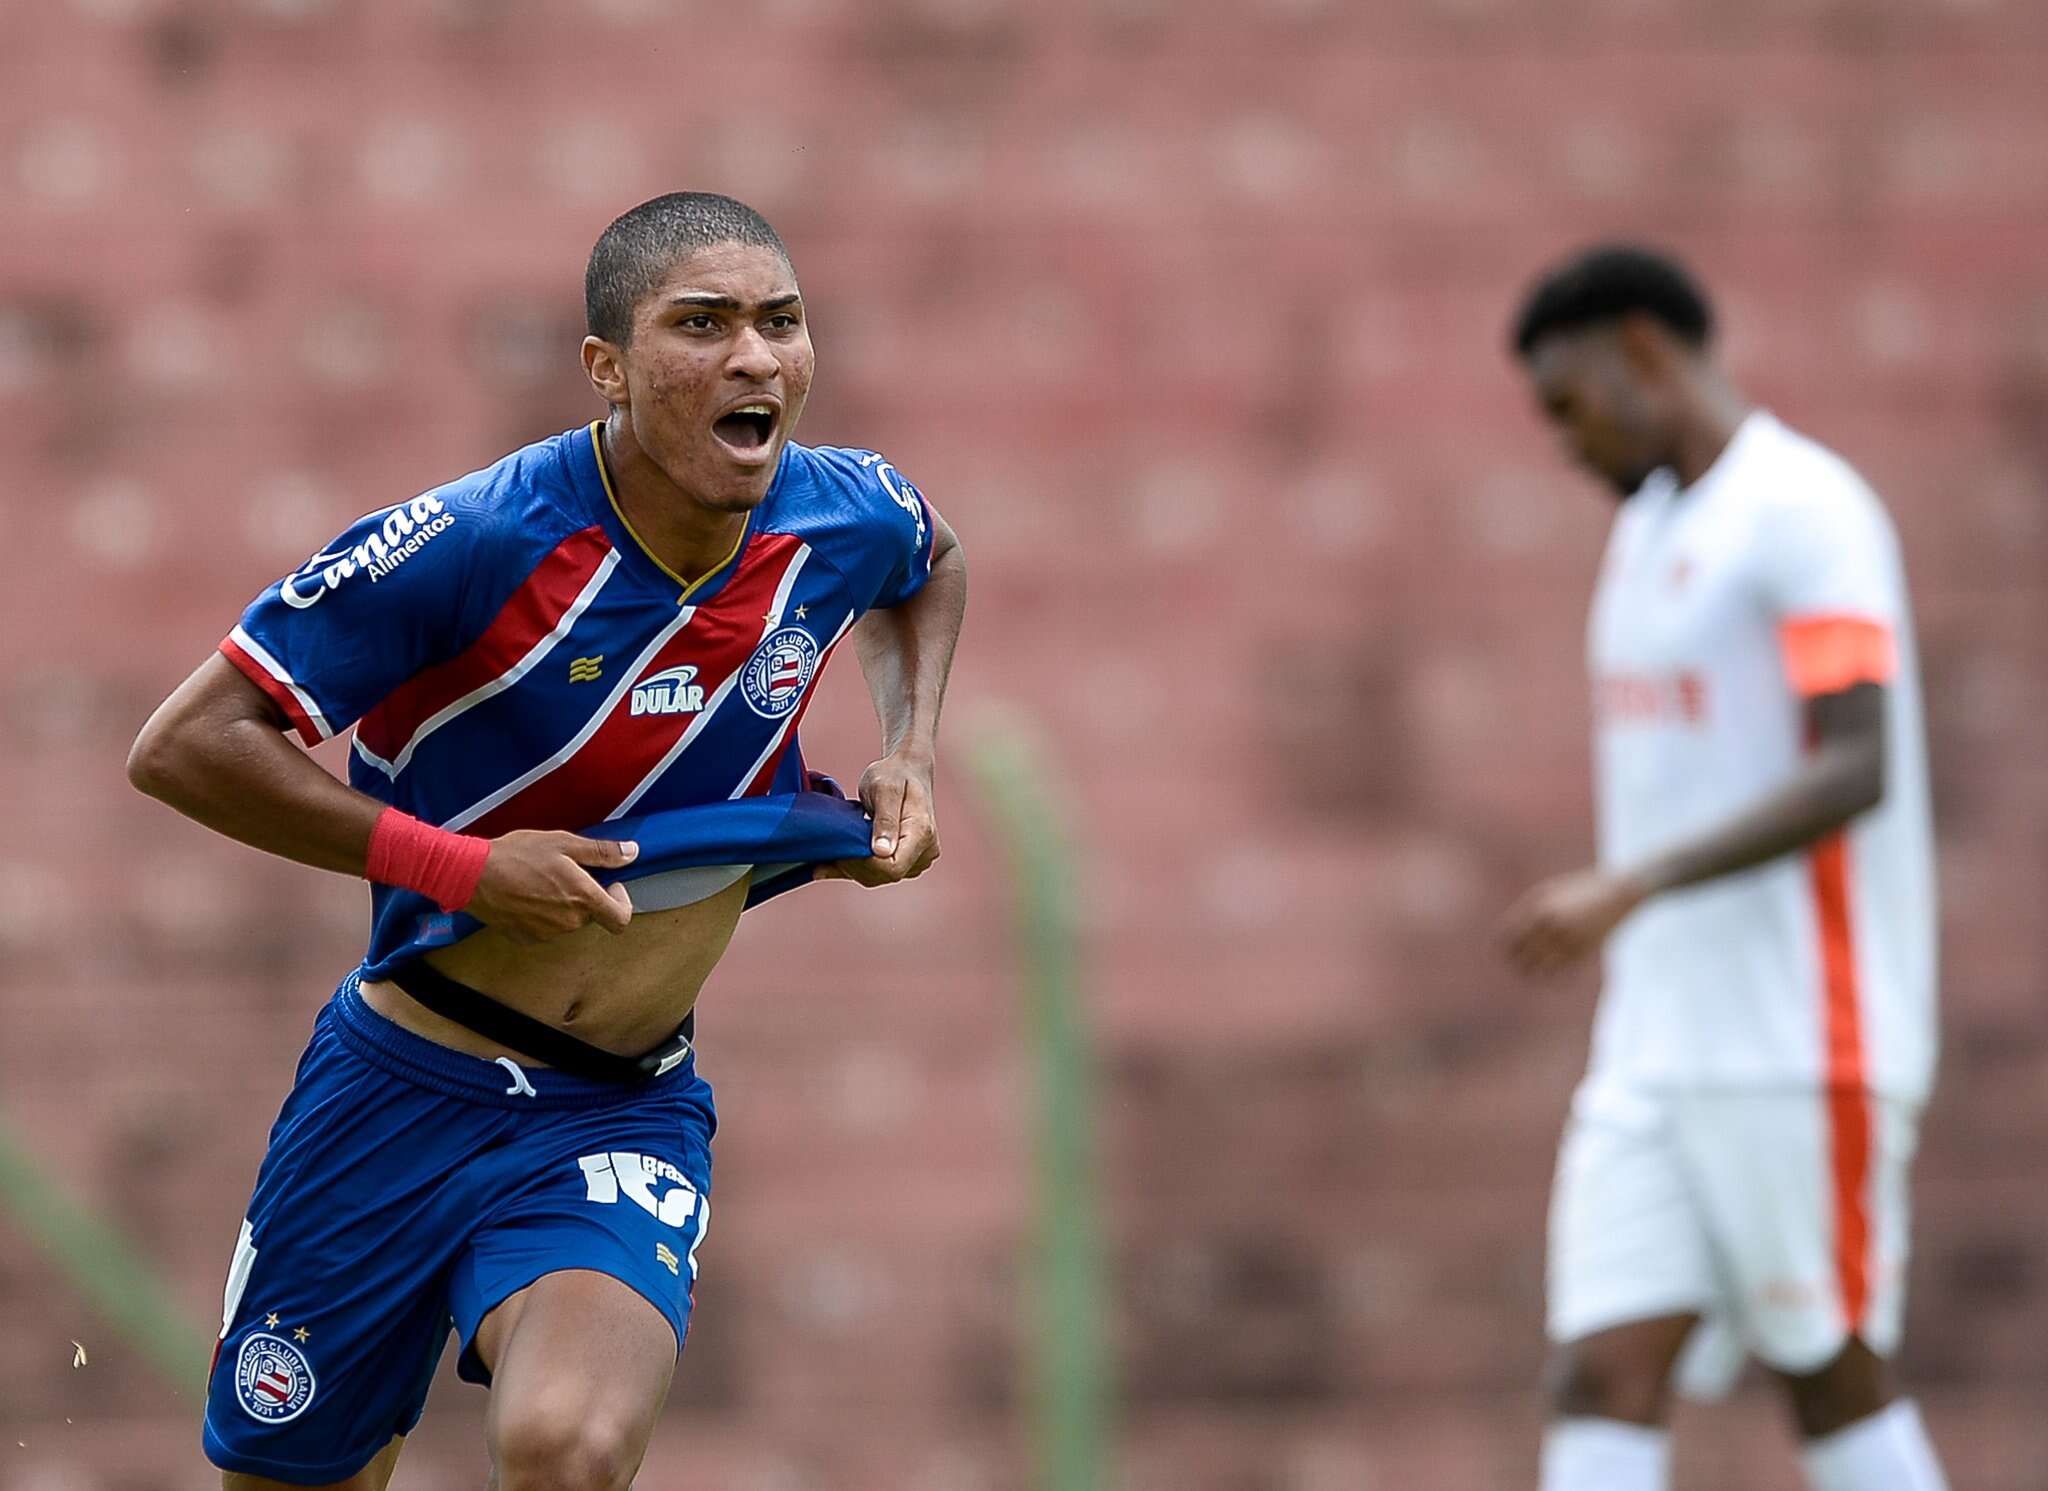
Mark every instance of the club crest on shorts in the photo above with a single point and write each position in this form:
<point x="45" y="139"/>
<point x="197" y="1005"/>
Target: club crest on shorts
<point x="776" y="676"/>
<point x="273" y="1379"/>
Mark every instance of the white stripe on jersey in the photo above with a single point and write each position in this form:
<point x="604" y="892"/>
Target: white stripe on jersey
<point x="275" y="669"/>
<point x="534" y="656"/>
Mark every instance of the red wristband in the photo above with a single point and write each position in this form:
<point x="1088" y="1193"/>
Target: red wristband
<point x="444" y="867"/>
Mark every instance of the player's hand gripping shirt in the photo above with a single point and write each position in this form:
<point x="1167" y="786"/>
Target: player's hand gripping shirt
<point x="1721" y="608"/>
<point x="512" y="656"/>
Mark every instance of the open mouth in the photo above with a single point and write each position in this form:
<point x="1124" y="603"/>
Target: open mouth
<point x="748" y="428"/>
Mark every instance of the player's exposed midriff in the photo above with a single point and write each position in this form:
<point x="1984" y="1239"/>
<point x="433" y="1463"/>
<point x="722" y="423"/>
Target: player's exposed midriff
<point x="625" y="993"/>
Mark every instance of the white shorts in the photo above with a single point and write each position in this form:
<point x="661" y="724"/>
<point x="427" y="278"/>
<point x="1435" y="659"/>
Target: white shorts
<point x="1780" y="1218"/>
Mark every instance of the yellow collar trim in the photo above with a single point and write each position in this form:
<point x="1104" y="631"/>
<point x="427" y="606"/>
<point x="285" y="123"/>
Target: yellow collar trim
<point x="611" y="493"/>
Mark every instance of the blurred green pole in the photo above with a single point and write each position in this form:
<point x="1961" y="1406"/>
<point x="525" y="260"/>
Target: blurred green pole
<point x="1070" y="1381"/>
<point x="112" y="1277"/>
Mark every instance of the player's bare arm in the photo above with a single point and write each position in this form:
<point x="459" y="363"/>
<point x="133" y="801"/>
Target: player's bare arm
<point x="217" y="750"/>
<point x="906" y="654"/>
<point x="1568" y="917"/>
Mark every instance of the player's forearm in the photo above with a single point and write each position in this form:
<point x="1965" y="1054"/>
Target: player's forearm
<point x="1838" y="783"/>
<point x="212" y="752"/>
<point x="906" y="653"/>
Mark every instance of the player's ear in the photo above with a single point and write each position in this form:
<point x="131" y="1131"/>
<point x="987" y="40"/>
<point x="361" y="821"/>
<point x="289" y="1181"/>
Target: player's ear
<point x="1646" y="345"/>
<point x="606" y="369"/>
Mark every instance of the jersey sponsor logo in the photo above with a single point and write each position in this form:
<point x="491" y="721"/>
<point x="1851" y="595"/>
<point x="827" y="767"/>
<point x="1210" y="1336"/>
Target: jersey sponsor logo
<point x="775" y="677"/>
<point x="1652" y="699"/>
<point x="273" y="1379"/>
<point x="671" y="691"/>
<point x="900" y="491"/>
<point x="586" y="669"/>
<point x="407" y="529"/>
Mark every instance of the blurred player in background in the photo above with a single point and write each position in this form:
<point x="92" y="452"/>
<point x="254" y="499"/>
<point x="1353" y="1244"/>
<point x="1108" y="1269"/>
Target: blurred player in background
<point x="499" y="1118"/>
<point x="1733" y="1179"/>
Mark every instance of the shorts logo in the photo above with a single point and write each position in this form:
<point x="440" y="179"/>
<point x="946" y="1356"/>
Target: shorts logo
<point x="657" y="1188"/>
<point x="273" y="1380"/>
<point x="671" y="691"/>
<point x="781" y="668"/>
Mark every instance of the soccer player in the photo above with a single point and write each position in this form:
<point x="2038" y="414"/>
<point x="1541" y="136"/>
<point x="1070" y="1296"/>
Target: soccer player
<point x="1733" y="1177"/>
<point x="498" y="1124"/>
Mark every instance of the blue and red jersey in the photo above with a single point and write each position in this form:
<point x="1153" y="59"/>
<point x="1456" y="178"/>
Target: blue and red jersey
<point x="512" y="656"/>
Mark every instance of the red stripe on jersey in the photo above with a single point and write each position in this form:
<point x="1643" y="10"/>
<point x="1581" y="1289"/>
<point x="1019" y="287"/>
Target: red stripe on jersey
<point x="279" y="694"/>
<point x="718" y="640"/>
<point x="529" y="614"/>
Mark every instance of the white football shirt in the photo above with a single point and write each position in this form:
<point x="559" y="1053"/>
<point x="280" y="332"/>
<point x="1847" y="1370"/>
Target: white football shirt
<point x="1720" y="608"/>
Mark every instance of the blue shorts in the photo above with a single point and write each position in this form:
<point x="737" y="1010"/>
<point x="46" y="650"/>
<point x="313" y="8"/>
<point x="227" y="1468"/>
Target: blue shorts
<point x="410" y="1189"/>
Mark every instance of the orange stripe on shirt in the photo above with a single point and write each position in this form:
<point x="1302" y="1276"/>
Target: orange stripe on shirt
<point x="1827" y="654"/>
<point x="1849" y="1137"/>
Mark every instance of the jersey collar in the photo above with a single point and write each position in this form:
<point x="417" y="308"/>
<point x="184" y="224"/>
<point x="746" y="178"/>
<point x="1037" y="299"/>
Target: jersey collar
<point x="595" y="478"/>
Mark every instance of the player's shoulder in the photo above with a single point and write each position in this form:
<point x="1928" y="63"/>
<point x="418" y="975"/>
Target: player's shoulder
<point x="1792" y="478"/>
<point x="532" y="490"/>
<point x="845" y="474"/>
<point x="1793" y="468"/>
<point x="848" y="490"/>
<point x="500" y="517"/>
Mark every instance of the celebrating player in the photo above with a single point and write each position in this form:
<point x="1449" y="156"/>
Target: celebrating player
<point x="499" y="1120"/>
<point x="1733" y="1179"/>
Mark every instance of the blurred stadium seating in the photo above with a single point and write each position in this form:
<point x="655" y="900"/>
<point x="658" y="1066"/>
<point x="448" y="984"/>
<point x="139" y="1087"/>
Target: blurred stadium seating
<point x="1189" y="315"/>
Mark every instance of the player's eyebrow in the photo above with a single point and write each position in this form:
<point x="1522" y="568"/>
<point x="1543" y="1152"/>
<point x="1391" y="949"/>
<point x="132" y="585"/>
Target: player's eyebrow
<point x="711" y="300"/>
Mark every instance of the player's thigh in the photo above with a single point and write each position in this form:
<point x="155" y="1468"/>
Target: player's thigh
<point x="372" y="1477"/>
<point x="335" y="1309"/>
<point x="1627" y="1241"/>
<point x="1806" y="1200"/>
<point x="579" y="1365"/>
<point x="619" y="1187"/>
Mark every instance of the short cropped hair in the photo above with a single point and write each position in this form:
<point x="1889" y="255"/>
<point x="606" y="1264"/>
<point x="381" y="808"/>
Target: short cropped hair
<point x="641" y="246"/>
<point x="1608" y="282"/>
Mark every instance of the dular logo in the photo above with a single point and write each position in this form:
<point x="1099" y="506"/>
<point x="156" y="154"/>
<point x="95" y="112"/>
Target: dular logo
<point x="671" y="691"/>
<point x="406" y="529"/>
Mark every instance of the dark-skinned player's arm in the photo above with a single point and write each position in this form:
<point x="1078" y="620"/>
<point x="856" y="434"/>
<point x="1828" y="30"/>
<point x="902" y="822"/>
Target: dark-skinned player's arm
<point x="217" y="750"/>
<point x="906" y="653"/>
<point x="1821" y="562"/>
<point x="1842" y="776"/>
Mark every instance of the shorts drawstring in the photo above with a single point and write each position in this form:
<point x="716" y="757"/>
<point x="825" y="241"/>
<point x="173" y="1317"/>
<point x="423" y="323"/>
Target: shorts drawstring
<point x="520" y="1086"/>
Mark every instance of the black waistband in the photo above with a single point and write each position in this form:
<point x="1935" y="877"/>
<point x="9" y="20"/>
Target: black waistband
<point x="479" y="1012"/>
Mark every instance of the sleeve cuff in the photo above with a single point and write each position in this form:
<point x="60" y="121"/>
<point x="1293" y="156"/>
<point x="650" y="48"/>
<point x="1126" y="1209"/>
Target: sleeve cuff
<point x="263" y="670"/>
<point x="1827" y="654"/>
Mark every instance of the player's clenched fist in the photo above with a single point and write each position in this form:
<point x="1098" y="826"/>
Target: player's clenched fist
<point x="897" y="793"/>
<point x="535" y="887"/>
<point x="1567" y="918"/>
